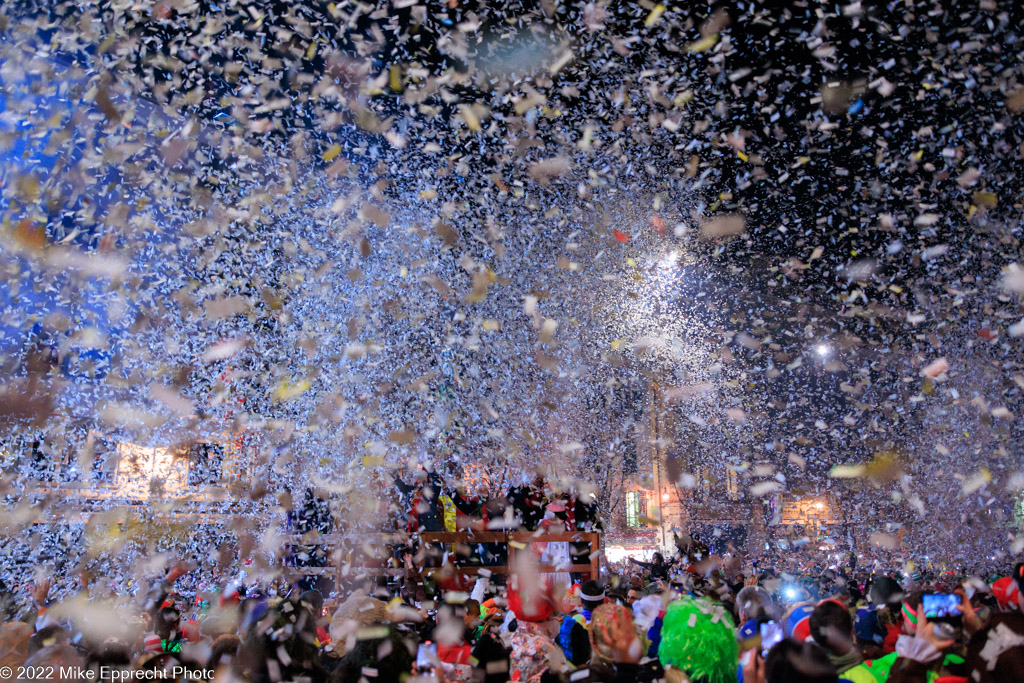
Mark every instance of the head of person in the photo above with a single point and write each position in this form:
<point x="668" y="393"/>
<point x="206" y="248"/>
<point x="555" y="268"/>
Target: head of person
<point x="908" y="609"/>
<point x="592" y="595"/>
<point x="754" y="602"/>
<point x="450" y="624"/>
<point x="886" y="592"/>
<point x="832" y="626"/>
<point x="472" y="616"/>
<point x="166" y="623"/>
<point x="532" y="606"/>
<point x="222" y="650"/>
<point x="390" y="656"/>
<point x="357" y="612"/>
<point x="659" y="558"/>
<point x="51" y="634"/>
<point x="796" y="623"/>
<point x="613" y="632"/>
<point x="112" y="653"/>
<point x="792" y="661"/>
<point x="698" y="638"/>
<point x="313" y="600"/>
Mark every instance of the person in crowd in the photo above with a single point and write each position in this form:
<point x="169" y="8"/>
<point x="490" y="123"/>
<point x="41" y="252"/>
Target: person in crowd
<point x="617" y="648"/>
<point x="586" y="518"/>
<point x="790" y="661"/>
<point x="166" y="635"/>
<point x="831" y="628"/>
<point x="59" y="661"/>
<point x="592" y="596"/>
<point x="282" y="644"/>
<point x="698" y="643"/>
<point x="425" y="510"/>
<point x="491" y="656"/>
<point x="555" y="553"/>
<point x="658" y="569"/>
<point x="389" y="656"/>
<point x="470" y="515"/>
<point x="528" y="503"/>
<point x="534" y="652"/>
<point x="222" y="651"/>
<point x="498" y="515"/>
<point x="754" y="603"/>
<point x="572" y="636"/>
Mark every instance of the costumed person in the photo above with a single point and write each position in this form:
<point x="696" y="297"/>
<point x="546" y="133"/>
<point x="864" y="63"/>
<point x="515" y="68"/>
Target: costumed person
<point x="698" y="643"/>
<point x="648" y="614"/>
<point x="282" y="645"/>
<point x="497" y="515"/>
<point x="166" y="635"/>
<point x="556" y="553"/>
<point x="585" y="515"/>
<point x="454" y="638"/>
<point x="691" y="551"/>
<point x="490" y="656"/>
<point x="386" y="655"/>
<point x="591" y="597"/>
<point x="791" y="661"/>
<point x="470" y="515"/>
<point x="527" y="500"/>
<point x="426" y="512"/>
<point x="533" y="650"/>
<point x="572" y="635"/>
<point x="754" y="606"/>
<point x="888" y="595"/>
<point x="617" y="650"/>
<point x="312" y="516"/>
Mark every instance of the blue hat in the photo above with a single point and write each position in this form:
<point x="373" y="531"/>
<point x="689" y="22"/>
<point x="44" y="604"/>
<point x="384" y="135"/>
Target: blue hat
<point x="798" y="623"/>
<point x="866" y="626"/>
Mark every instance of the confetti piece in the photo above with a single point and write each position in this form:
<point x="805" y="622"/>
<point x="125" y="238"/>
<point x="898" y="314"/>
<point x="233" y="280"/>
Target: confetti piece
<point x="703" y="45"/>
<point x="723" y="226"/>
<point x="976" y="481"/>
<point x="847" y="471"/>
<point x="331" y="152"/>
<point x="935" y="369"/>
<point x="654" y="16"/>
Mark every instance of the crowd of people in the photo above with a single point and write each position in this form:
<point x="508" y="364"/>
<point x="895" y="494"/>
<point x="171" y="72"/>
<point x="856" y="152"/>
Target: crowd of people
<point x="685" y="618"/>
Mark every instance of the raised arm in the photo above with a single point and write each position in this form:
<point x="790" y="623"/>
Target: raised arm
<point x="404" y="488"/>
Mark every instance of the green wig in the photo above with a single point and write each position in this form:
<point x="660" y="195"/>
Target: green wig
<point x="697" y="637"/>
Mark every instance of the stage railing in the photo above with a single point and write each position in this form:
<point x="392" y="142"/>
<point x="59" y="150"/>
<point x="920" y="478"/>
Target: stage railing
<point x="516" y="541"/>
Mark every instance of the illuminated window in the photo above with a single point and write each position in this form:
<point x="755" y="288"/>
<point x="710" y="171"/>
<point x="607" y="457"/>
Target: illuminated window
<point x="636" y="509"/>
<point x="732" y="484"/>
<point x="704" y="482"/>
